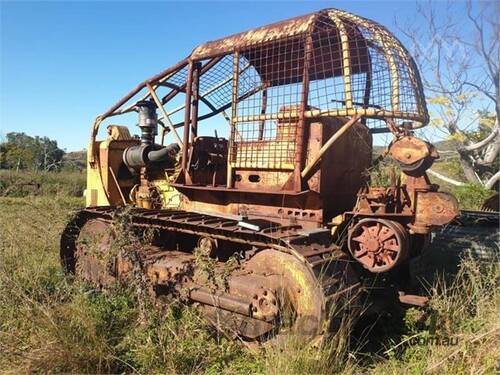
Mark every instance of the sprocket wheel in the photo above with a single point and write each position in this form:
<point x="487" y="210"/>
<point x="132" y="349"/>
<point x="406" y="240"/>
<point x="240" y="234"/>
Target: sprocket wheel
<point x="378" y="244"/>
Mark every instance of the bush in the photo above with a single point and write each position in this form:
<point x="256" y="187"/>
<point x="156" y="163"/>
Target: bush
<point x="384" y="174"/>
<point x="471" y="196"/>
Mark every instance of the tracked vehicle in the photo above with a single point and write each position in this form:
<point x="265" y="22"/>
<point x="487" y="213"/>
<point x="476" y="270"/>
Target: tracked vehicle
<point x="257" y="148"/>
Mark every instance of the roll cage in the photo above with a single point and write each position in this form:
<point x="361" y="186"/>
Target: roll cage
<point x="326" y="64"/>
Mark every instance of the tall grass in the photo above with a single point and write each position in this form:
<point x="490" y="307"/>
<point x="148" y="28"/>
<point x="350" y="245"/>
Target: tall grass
<point x="464" y="316"/>
<point x="51" y="323"/>
<point x="29" y="183"/>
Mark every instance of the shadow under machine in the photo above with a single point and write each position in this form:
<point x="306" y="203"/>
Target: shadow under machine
<point x="282" y="192"/>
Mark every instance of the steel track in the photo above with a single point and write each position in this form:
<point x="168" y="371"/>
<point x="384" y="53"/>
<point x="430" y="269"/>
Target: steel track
<point x="314" y="248"/>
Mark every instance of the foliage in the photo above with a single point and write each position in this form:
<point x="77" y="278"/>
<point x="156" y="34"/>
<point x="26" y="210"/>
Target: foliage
<point x="449" y="167"/>
<point x="74" y="161"/>
<point x="384" y="174"/>
<point x="471" y="196"/>
<point x="457" y="55"/>
<point x="21" y="151"/>
<point x="485" y="124"/>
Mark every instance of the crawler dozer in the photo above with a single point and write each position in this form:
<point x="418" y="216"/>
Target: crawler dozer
<point x="255" y="150"/>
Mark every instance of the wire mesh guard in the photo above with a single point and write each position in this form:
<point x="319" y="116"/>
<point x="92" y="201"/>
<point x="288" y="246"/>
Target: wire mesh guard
<point x="274" y="78"/>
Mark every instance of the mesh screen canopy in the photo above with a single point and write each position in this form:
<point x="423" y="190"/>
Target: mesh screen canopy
<point x="355" y="66"/>
<point x="328" y="63"/>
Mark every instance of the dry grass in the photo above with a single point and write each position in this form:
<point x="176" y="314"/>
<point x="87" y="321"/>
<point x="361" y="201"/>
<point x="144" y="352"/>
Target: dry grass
<point x="464" y="315"/>
<point x="50" y="323"/>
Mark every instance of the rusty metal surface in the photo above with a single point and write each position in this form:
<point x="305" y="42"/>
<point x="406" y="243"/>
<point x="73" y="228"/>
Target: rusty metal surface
<point x="303" y="98"/>
<point x="378" y="244"/>
<point x="279" y="80"/>
<point x="409" y="150"/>
<point x="278" y="30"/>
<point x="413" y="300"/>
<point x="492" y="203"/>
<point x="288" y="263"/>
<point x="435" y="208"/>
<point x="336" y="36"/>
<point x="92" y="247"/>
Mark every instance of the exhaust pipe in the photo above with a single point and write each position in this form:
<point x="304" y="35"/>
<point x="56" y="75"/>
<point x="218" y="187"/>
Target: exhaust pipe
<point x="148" y="121"/>
<point x="142" y="155"/>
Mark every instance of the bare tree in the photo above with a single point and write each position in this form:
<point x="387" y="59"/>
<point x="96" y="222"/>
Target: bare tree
<point x="458" y="56"/>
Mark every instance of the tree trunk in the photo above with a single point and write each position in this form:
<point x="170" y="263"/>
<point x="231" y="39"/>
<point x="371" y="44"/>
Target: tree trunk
<point x="444" y="178"/>
<point x="467" y="167"/>
<point x="492" y="181"/>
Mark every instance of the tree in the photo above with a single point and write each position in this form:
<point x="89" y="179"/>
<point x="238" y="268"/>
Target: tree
<point x="20" y="151"/>
<point x="458" y="56"/>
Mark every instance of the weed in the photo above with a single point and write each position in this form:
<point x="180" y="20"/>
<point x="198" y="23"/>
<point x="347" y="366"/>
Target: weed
<point x="52" y="323"/>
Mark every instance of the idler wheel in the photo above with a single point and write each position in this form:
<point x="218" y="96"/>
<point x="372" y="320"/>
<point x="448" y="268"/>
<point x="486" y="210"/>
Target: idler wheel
<point x="92" y="255"/>
<point x="378" y="244"/>
<point x="414" y="156"/>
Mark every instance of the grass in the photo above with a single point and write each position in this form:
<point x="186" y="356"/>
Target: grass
<point x="50" y="323"/>
<point x="463" y="316"/>
<point x="471" y="196"/>
<point x="29" y="183"/>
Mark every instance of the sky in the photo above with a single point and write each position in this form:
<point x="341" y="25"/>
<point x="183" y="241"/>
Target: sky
<point x="64" y="63"/>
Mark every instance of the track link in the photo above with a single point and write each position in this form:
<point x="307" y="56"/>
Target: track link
<point x="327" y="262"/>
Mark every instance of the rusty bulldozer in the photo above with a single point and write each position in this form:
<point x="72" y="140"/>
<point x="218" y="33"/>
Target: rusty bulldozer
<point x="283" y="188"/>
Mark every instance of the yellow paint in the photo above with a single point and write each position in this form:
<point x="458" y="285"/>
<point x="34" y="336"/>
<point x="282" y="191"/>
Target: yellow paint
<point x="118" y="132"/>
<point x="346" y="61"/>
<point x="171" y="198"/>
<point x="343" y="112"/>
<point x="385" y="39"/>
<point x="95" y="186"/>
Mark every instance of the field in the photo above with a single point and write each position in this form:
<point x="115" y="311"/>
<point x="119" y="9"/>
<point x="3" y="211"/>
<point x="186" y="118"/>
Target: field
<point x="50" y="323"/>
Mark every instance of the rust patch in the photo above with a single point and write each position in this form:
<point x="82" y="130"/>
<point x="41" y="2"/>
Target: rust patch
<point x="409" y="150"/>
<point x="278" y="30"/>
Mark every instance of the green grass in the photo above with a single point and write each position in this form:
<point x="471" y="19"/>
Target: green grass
<point x="471" y="196"/>
<point x="50" y="323"/>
